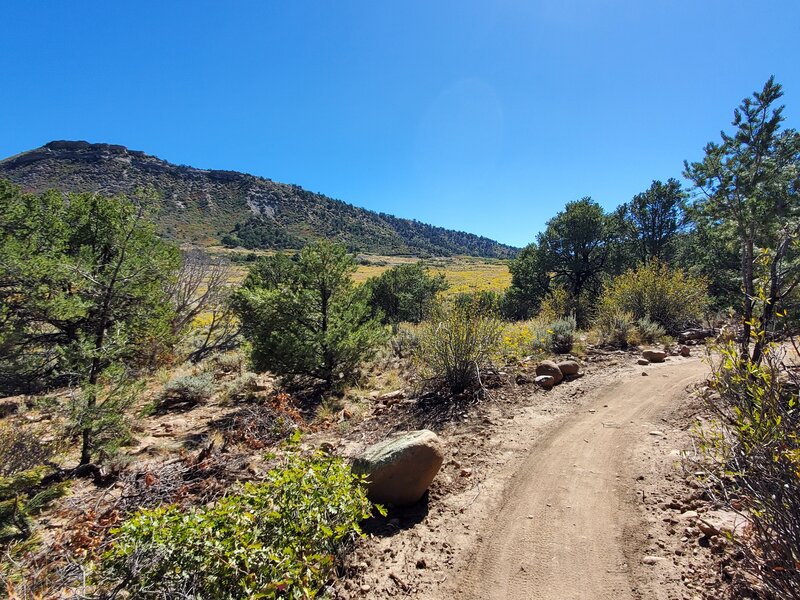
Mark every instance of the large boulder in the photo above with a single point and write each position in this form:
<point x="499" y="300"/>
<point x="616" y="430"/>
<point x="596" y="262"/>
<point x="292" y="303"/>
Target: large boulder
<point x="548" y="367"/>
<point x="655" y="356"/>
<point x="401" y="468"/>
<point x="569" y="368"/>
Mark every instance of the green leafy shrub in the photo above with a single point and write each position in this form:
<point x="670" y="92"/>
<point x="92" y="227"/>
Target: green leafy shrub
<point x="456" y="344"/>
<point x="669" y="297"/>
<point x="562" y="335"/>
<point x="275" y="539"/>
<point x="188" y="389"/>
<point x="483" y="301"/>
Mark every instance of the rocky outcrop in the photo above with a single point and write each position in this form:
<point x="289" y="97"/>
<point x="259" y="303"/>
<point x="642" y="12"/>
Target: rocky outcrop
<point x="236" y="209"/>
<point x="400" y="469"/>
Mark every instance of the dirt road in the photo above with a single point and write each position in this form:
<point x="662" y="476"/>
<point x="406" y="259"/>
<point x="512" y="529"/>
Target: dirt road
<point x="558" y="532"/>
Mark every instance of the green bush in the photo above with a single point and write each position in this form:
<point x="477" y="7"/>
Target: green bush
<point x="562" y="335"/>
<point x="304" y="316"/>
<point x="274" y="539"/>
<point x="752" y="453"/>
<point x="456" y="344"/>
<point x="404" y="293"/>
<point x="669" y="297"/>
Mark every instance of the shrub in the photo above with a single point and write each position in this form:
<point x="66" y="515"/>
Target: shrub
<point x="648" y="331"/>
<point x="614" y="326"/>
<point x="229" y="362"/>
<point x="22" y="454"/>
<point x="241" y="388"/>
<point x="562" y="335"/>
<point x="273" y="539"/>
<point x="405" y="342"/>
<point x="188" y="389"/>
<point x="456" y="344"/>
<point x="23" y="448"/>
<point x="483" y="301"/>
<point x="404" y="293"/>
<point x="755" y="455"/>
<point x="304" y="316"/>
<point x="669" y="297"/>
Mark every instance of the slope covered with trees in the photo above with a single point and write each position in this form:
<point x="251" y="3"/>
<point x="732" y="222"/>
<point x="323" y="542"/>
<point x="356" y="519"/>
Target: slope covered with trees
<point x="208" y="207"/>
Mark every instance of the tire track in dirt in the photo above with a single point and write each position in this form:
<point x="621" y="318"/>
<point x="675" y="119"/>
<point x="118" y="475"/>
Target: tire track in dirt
<point x="558" y="531"/>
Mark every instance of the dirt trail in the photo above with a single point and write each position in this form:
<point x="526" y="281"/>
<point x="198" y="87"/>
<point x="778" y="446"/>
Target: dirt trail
<point x="559" y="530"/>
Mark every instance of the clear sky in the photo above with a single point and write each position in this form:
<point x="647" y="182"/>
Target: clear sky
<point x="485" y="116"/>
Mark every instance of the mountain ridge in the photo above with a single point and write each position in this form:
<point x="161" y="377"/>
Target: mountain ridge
<point x="215" y="206"/>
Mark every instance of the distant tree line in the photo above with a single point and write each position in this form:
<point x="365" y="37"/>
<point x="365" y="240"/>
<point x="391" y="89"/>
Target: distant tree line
<point x="736" y="228"/>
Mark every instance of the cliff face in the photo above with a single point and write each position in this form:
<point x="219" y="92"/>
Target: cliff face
<point x="209" y="206"/>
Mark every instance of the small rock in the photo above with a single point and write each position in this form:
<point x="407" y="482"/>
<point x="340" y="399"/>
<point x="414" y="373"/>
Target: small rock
<point x="685" y="351"/>
<point x="659" y="433"/>
<point x="644" y="374"/>
<point x="652" y="560"/>
<point x="392" y="396"/>
<point x="545" y="381"/>
<point x="643" y="361"/>
<point x="421" y="564"/>
<point x="523" y="379"/>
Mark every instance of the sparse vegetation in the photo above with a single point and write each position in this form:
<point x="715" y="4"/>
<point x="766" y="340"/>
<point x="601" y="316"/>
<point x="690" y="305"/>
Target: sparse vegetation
<point x="187" y="389"/>
<point x="456" y="345"/>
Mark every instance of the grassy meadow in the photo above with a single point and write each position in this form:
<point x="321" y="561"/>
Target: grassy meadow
<point x="463" y="273"/>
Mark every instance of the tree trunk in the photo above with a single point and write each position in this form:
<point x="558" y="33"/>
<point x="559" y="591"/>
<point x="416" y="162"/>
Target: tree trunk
<point x="749" y="293"/>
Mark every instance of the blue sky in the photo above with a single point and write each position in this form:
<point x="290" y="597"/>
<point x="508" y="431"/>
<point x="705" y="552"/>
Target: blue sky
<point x="485" y="116"/>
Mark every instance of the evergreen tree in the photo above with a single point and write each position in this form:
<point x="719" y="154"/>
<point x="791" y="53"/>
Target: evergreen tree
<point x="654" y="218"/>
<point x="404" y="293"/>
<point x="304" y="316"/>
<point x="578" y="246"/>
<point x="749" y="184"/>
<point x="82" y="292"/>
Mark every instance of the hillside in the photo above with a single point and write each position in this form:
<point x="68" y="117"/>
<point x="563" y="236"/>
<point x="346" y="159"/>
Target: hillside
<point x="208" y="207"/>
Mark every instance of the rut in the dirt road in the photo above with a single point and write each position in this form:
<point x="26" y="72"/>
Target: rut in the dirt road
<point x="558" y="533"/>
